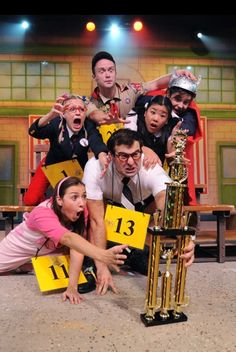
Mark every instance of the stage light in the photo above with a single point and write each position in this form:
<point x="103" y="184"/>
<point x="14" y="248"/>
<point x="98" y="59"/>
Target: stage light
<point x="90" y="26"/>
<point x="25" y="24"/>
<point x="137" y="26"/>
<point x="115" y="30"/>
<point x="199" y="35"/>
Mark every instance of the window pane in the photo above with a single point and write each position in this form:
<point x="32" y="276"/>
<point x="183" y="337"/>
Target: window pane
<point x="33" y="81"/>
<point x="203" y="84"/>
<point x="5" y="81"/>
<point x="214" y="97"/>
<point x="5" y="93"/>
<point x="214" y="72"/>
<point x="48" y="81"/>
<point x="33" y="68"/>
<point x="228" y="72"/>
<point x="202" y="97"/>
<point x="33" y="94"/>
<point x="5" y="68"/>
<point x="228" y="84"/>
<point x="48" y="94"/>
<point x="62" y="69"/>
<point x="229" y="161"/>
<point x="18" y="81"/>
<point x="62" y="82"/>
<point x="48" y="69"/>
<point x="214" y="84"/>
<point x="228" y="97"/>
<point x="6" y="169"/>
<point x="18" y="93"/>
<point x="18" y="68"/>
<point x="201" y="71"/>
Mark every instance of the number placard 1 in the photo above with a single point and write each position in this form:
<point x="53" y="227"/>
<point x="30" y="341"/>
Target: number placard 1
<point x="126" y="226"/>
<point x="107" y="130"/>
<point x="55" y="172"/>
<point x="52" y="272"/>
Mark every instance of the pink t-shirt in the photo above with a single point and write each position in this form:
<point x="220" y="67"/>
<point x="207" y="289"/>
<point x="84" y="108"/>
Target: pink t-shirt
<point x="22" y="243"/>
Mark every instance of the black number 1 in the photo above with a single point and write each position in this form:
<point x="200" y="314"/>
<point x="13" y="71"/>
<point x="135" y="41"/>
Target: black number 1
<point x="64" y="173"/>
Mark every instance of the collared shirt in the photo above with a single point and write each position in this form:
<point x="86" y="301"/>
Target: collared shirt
<point x="125" y="98"/>
<point x="145" y="183"/>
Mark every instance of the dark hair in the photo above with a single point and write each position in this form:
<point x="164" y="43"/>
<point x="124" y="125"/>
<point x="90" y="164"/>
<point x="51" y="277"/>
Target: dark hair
<point x="123" y="136"/>
<point x="162" y="101"/>
<point x="60" y="190"/>
<point x="99" y="56"/>
<point x="174" y="89"/>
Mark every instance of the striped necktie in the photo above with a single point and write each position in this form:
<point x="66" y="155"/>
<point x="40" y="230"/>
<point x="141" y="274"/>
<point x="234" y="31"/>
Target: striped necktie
<point x="126" y="197"/>
<point x="74" y="140"/>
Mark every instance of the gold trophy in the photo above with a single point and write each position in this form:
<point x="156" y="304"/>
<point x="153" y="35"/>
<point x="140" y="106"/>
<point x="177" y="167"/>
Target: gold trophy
<point x="168" y="307"/>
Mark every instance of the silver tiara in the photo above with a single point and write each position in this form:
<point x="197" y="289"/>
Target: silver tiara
<point x="184" y="82"/>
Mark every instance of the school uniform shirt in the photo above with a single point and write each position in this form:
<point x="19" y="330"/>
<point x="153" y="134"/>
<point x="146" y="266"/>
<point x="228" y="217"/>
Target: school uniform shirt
<point x="110" y="186"/>
<point x="63" y="151"/>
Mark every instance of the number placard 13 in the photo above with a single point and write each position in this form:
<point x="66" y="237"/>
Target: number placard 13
<point x="126" y="226"/>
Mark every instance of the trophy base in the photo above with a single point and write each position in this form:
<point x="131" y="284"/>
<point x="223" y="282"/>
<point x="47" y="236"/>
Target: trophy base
<point x="158" y="320"/>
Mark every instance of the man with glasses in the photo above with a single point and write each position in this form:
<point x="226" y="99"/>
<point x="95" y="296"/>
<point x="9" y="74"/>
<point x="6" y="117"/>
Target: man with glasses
<point x="147" y="188"/>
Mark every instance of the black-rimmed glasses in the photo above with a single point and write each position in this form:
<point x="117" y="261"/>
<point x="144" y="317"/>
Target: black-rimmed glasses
<point x="125" y="156"/>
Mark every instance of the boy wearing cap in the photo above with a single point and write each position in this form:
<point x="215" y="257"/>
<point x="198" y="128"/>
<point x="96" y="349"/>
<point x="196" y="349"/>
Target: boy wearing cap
<point x="114" y="99"/>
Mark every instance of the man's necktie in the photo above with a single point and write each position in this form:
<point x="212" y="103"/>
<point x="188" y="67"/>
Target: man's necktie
<point x="74" y="140"/>
<point x="126" y="197"/>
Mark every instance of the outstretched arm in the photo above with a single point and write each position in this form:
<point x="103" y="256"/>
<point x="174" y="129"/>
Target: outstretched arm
<point x="112" y="256"/>
<point x="163" y="81"/>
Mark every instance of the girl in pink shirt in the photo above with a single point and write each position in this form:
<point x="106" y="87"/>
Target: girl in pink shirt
<point x="51" y="227"/>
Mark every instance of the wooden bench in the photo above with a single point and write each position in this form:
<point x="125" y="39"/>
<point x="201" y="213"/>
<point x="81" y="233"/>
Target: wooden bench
<point x="221" y="212"/>
<point x="9" y="212"/>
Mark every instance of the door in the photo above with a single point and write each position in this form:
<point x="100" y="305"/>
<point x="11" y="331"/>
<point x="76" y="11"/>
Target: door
<point x="8" y="172"/>
<point x="227" y="172"/>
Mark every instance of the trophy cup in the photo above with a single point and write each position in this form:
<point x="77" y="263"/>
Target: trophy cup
<point x="168" y="307"/>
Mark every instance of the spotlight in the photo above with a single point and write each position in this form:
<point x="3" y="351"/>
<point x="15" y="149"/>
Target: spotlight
<point x="25" y="24"/>
<point x="137" y="26"/>
<point x="115" y="30"/>
<point x="199" y="35"/>
<point x="90" y="26"/>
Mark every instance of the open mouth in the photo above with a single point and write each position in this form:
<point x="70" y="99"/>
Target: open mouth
<point x="77" y="122"/>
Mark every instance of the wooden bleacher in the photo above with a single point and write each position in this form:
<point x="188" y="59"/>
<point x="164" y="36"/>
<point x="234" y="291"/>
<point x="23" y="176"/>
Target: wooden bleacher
<point x="220" y="237"/>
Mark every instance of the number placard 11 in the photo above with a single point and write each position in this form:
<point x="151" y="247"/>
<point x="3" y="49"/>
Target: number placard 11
<point x="126" y="226"/>
<point x="52" y="272"/>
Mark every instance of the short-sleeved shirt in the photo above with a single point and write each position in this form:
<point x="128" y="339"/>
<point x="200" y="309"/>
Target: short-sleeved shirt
<point x="22" y="243"/>
<point x="125" y="98"/>
<point x="144" y="184"/>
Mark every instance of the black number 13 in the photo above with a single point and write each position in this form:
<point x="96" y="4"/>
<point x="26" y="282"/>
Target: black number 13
<point x="131" y="224"/>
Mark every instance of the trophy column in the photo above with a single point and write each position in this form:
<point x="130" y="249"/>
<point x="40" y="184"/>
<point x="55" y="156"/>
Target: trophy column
<point x="168" y="308"/>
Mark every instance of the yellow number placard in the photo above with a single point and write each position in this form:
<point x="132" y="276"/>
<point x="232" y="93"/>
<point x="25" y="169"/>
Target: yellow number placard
<point x="126" y="226"/>
<point x="107" y="130"/>
<point x="55" y="172"/>
<point x="52" y="272"/>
